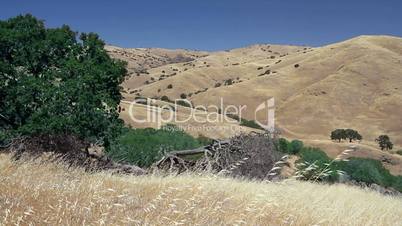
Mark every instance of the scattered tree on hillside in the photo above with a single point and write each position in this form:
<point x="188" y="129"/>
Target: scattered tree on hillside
<point x="352" y="135"/>
<point x="343" y="134"/>
<point x="52" y="82"/>
<point x="338" y="134"/>
<point x="384" y="142"/>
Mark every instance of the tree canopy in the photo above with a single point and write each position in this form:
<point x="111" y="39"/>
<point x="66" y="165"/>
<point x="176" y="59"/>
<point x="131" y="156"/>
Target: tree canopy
<point x="56" y="81"/>
<point x="384" y="142"/>
<point x="343" y="134"/>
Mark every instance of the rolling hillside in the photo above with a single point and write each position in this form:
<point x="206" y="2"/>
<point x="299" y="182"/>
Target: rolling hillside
<point x="352" y="84"/>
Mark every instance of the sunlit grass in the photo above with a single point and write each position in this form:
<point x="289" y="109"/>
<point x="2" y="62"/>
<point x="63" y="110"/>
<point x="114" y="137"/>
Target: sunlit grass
<point x="52" y="194"/>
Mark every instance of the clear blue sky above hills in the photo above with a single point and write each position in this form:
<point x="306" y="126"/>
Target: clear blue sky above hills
<point x="216" y="24"/>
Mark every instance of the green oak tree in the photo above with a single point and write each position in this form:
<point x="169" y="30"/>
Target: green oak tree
<point x="384" y="142"/>
<point x="56" y="81"/>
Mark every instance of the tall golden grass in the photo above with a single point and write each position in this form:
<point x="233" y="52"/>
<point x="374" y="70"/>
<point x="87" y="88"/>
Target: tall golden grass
<point x="51" y="194"/>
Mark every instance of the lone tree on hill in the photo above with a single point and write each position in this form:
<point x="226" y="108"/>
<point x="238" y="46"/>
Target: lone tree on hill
<point x="384" y="142"/>
<point x="52" y="82"/>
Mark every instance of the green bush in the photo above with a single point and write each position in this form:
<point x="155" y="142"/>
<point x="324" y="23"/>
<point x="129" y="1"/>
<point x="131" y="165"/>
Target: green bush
<point x="142" y="147"/>
<point x="311" y="155"/>
<point x="319" y="159"/>
<point x="282" y="145"/>
<point x="295" y="147"/>
<point x="184" y="103"/>
<point x="397" y="183"/>
<point x="362" y="170"/>
<point x="399" y="152"/>
<point x="165" y="98"/>
<point x="367" y="170"/>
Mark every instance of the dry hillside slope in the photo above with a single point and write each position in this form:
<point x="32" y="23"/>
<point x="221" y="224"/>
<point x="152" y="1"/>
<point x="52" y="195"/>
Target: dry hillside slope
<point x="352" y="84"/>
<point x="141" y="59"/>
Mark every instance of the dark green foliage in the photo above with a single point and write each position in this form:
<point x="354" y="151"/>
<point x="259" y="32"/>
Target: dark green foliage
<point x="170" y="86"/>
<point x="399" y="152"/>
<point x="282" y="145"/>
<point x="367" y="170"/>
<point x="142" y="147"/>
<point x="352" y="135"/>
<point x="343" y="134"/>
<point x="310" y="156"/>
<point x="384" y="142"/>
<point x="338" y="134"/>
<point x="51" y="82"/>
<point x="292" y="148"/>
<point x="165" y="98"/>
<point x="183" y="103"/>
<point x="358" y="169"/>
<point x="295" y="147"/>
<point x="228" y="82"/>
<point x="397" y="183"/>
<point x="183" y="96"/>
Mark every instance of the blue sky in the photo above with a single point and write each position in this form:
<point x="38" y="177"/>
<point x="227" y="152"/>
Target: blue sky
<point x="216" y="24"/>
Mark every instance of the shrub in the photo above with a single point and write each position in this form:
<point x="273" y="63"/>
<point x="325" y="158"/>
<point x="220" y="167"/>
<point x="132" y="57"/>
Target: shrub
<point x="228" y="82"/>
<point x="142" y="147"/>
<point x="314" y="164"/>
<point x="165" y="98"/>
<point x="184" y="103"/>
<point x="368" y="171"/>
<point x="282" y="145"/>
<point x="295" y="147"/>
<point x="313" y="161"/>
<point x="170" y="86"/>
<point x="399" y="152"/>
<point x="297" y="65"/>
<point x="183" y="96"/>
<point x="218" y="84"/>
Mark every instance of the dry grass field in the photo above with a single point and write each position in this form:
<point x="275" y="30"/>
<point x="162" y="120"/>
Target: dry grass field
<point x="34" y="193"/>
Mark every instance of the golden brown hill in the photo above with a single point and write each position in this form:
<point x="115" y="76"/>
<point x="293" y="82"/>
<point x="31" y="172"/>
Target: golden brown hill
<point x="141" y="59"/>
<point x="352" y="84"/>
